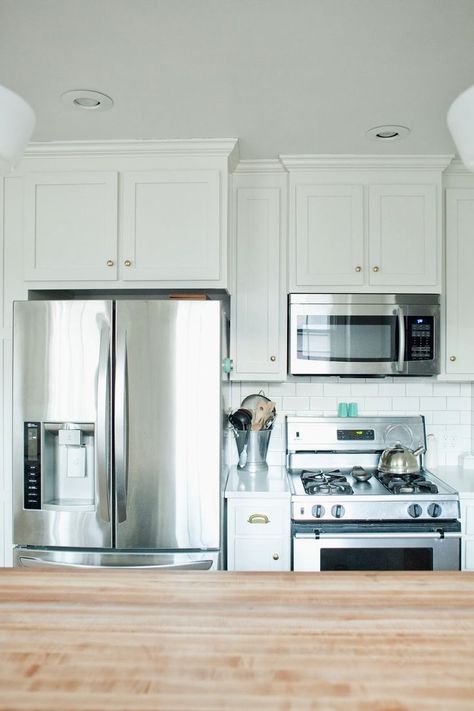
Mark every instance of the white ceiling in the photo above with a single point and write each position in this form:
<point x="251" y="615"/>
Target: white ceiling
<point x="284" y="76"/>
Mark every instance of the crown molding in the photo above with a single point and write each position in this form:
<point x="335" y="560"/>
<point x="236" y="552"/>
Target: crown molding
<point x="251" y="167"/>
<point x="365" y="162"/>
<point x="458" y="167"/>
<point x="226" y="147"/>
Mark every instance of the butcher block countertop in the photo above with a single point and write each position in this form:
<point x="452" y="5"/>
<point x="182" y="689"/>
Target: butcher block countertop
<point x="129" y="639"/>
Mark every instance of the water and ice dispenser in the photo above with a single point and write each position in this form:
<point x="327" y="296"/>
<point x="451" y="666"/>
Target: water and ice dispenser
<point x="59" y="465"/>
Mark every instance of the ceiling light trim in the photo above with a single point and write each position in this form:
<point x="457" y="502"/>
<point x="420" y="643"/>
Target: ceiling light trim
<point x="87" y="100"/>
<point x="393" y="132"/>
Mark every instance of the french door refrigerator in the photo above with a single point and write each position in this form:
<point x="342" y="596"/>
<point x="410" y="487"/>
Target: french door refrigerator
<point x="118" y="411"/>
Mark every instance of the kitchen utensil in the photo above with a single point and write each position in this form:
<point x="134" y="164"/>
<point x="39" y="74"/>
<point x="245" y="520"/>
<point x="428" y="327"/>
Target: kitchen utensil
<point x="250" y="402"/>
<point x="241" y="419"/>
<point x="400" y="460"/>
<point x="263" y="412"/>
<point x="360" y="474"/>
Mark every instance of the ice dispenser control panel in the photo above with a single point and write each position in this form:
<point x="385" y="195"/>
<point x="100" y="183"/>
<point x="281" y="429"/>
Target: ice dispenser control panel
<point x="32" y="465"/>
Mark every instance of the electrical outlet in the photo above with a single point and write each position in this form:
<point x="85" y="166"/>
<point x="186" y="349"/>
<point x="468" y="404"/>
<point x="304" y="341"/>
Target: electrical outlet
<point x="448" y="441"/>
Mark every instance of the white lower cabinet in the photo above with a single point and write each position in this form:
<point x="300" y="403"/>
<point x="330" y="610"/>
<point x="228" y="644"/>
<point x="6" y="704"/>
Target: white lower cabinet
<point x="467" y="520"/>
<point x="258" y="520"/>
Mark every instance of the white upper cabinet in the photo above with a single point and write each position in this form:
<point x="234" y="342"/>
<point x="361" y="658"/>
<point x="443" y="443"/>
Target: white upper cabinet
<point x="259" y="300"/>
<point x="459" y="281"/>
<point x="365" y="223"/>
<point x="171" y="226"/>
<point x="70" y="226"/>
<point x="328" y="243"/>
<point x="155" y="212"/>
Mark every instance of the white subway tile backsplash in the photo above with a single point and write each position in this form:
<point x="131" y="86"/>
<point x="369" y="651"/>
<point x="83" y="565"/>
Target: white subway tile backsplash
<point x="445" y="417"/>
<point x="310" y="389"/>
<point x="419" y="388"/>
<point x="365" y="390"/>
<point x="290" y="404"/>
<point x="446" y="388"/>
<point x="337" y="390"/>
<point x="283" y="389"/>
<point x="432" y="403"/>
<point x="458" y="403"/>
<point x="377" y="404"/>
<point x="405" y="404"/>
<point x="397" y="389"/>
<point x="326" y="405"/>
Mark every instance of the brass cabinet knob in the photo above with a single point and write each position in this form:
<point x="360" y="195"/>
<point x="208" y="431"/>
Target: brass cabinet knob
<point x="376" y="269"/>
<point x="127" y="263"/>
<point x="358" y="269"/>
<point x="110" y="262"/>
<point x="452" y="358"/>
<point x="273" y="358"/>
<point x="276" y="556"/>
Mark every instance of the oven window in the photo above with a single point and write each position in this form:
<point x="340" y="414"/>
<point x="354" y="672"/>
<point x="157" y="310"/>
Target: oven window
<point x="347" y="338"/>
<point x="376" y="559"/>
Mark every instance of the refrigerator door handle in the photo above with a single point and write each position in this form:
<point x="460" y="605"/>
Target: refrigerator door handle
<point x="121" y="425"/>
<point x="102" y="432"/>
<point x="32" y="562"/>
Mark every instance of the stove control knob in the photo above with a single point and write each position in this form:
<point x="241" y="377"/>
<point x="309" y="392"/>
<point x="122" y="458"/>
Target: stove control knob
<point x="318" y="511"/>
<point x="415" y="510"/>
<point x="338" y="511"/>
<point x="435" y="510"/>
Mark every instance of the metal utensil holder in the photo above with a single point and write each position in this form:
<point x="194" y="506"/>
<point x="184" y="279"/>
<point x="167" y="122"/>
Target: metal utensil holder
<point x="252" y="448"/>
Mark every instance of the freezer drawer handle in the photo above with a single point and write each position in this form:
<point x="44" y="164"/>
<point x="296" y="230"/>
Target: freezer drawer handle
<point x="32" y="562"/>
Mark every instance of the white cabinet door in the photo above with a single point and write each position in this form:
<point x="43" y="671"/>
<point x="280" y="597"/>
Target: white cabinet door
<point x="171" y="226"/>
<point x="459" y="280"/>
<point x="328" y="243"/>
<point x="258" y="319"/>
<point x="70" y="226"/>
<point x="258" y="533"/>
<point x="403" y="243"/>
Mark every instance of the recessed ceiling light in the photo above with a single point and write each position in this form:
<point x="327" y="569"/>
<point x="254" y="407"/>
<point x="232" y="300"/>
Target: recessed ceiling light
<point x="87" y="100"/>
<point x="387" y="133"/>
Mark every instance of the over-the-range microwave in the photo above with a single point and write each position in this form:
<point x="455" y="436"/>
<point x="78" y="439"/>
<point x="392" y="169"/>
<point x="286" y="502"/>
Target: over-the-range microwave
<point x="364" y="334"/>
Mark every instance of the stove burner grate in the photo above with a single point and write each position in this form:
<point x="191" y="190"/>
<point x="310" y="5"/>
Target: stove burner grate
<point x="408" y="483"/>
<point x="329" y="483"/>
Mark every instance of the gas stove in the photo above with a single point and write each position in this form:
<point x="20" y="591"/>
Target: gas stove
<point x="327" y="457"/>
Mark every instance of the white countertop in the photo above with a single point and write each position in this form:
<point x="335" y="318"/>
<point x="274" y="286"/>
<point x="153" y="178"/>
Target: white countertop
<point x="460" y="479"/>
<point x="272" y="483"/>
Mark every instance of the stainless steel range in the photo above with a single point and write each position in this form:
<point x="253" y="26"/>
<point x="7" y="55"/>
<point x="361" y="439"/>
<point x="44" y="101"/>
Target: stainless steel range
<point x="348" y="515"/>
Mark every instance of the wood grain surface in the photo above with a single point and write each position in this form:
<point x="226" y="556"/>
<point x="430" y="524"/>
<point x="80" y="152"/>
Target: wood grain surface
<point x="102" y="640"/>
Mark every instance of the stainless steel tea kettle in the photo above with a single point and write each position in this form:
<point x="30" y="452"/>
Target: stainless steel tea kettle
<point x="400" y="460"/>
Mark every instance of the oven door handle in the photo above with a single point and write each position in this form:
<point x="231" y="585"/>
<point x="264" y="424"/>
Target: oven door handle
<point x="388" y="534"/>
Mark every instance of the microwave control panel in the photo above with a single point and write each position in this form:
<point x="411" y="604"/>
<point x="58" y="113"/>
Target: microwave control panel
<point x="420" y="338"/>
<point x="32" y="465"/>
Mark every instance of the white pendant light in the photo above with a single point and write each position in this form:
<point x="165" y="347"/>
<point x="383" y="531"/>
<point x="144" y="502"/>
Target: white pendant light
<point x="461" y="124"/>
<point x="17" y="121"/>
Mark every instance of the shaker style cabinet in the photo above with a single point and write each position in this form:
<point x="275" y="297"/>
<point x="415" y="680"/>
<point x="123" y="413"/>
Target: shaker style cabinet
<point x="459" y="282"/>
<point x="171" y="226"/>
<point x="258" y="520"/>
<point x="359" y="225"/>
<point x="70" y="226"/>
<point x="158" y="215"/>
<point x="467" y="519"/>
<point x="258" y="318"/>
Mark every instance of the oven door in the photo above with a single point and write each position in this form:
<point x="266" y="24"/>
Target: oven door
<point x="383" y="549"/>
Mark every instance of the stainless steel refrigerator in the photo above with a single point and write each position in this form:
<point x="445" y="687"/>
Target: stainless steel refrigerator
<point x="118" y="411"/>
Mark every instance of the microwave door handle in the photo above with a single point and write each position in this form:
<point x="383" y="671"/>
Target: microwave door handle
<point x="401" y="340"/>
<point x="121" y="425"/>
<point x="102" y="432"/>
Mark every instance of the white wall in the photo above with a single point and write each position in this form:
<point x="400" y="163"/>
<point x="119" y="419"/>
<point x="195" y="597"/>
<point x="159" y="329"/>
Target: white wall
<point x="447" y="407"/>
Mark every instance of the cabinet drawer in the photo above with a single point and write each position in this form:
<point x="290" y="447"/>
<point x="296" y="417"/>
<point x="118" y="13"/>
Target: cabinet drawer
<point x="261" y="554"/>
<point x="255" y="519"/>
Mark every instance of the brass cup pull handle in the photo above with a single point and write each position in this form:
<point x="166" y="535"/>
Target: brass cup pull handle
<point x="127" y="263"/>
<point x="258" y="518"/>
<point x="452" y="358"/>
<point x="110" y="262"/>
<point x="376" y="269"/>
<point x="358" y="269"/>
